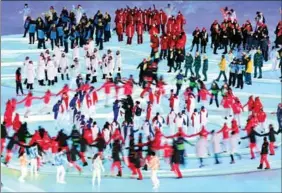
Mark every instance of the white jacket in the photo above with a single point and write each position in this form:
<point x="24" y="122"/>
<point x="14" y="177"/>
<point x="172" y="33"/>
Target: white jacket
<point x="118" y="63"/>
<point x="88" y="65"/>
<point x="170" y="118"/>
<point x="111" y="66"/>
<point x="216" y="143"/>
<point x="30" y="74"/>
<point x="98" y="165"/>
<point x="176" y="105"/>
<point x="234" y="139"/>
<point x="41" y="69"/>
<point x="146" y="128"/>
<point x="63" y="64"/>
<point x="95" y="131"/>
<point x="179" y="121"/>
<point x="25" y="68"/>
<point x="203" y="117"/>
<point x="58" y="53"/>
<point x="51" y="70"/>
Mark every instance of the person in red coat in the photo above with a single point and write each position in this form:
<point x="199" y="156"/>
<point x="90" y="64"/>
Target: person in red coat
<point x="257" y="105"/>
<point x="169" y="25"/>
<point x="149" y="111"/>
<point x="8" y="115"/>
<point x="46" y="99"/>
<point x="64" y="94"/>
<point x="139" y="31"/>
<point x="226" y="103"/>
<point x="107" y="86"/>
<point x="163" y="19"/>
<point x="129" y="33"/>
<point x="164" y="46"/>
<point x="16" y="122"/>
<point x="250" y="104"/>
<point x="154" y="44"/>
<point x="28" y="102"/>
<point x="237" y="109"/>
<point x="119" y="30"/>
<point x="225" y="135"/>
<point x="181" y="20"/>
<point x="261" y="116"/>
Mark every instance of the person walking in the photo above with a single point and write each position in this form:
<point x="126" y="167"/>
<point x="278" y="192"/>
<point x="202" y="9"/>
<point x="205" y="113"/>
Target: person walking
<point x="222" y="66"/>
<point x="19" y="85"/>
<point x="154" y="165"/>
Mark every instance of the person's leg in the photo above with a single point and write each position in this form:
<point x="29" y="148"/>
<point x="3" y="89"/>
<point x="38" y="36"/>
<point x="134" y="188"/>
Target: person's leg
<point x="94" y="175"/>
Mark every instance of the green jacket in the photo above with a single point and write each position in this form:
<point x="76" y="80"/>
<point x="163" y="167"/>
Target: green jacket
<point x="205" y="65"/>
<point x="258" y="59"/>
<point x="188" y="61"/>
<point x="197" y="62"/>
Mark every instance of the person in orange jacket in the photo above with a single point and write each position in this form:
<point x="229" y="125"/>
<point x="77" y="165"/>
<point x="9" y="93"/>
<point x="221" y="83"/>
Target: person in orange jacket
<point x="257" y="105"/>
<point x="129" y="33"/>
<point x="28" y="102"/>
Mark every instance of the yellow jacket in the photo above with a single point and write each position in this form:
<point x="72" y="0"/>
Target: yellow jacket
<point x="222" y="64"/>
<point x="249" y="68"/>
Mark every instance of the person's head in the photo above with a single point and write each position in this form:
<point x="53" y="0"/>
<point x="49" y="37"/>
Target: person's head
<point x="26" y="5"/>
<point x="153" y="153"/>
<point x="97" y="155"/>
<point x="223" y="56"/>
<point x="264" y="139"/>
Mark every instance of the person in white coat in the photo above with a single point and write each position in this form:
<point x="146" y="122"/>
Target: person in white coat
<point x="215" y="140"/>
<point x="104" y="66"/>
<point x="154" y="165"/>
<point x="118" y="63"/>
<point x="23" y="163"/>
<point x="98" y="168"/>
<point x="95" y="67"/>
<point x="26" y="11"/>
<point x="56" y="66"/>
<point x="88" y="66"/>
<point x="234" y="142"/>
<point x="64" y="67"/>
<point x="25" y="64"/>
<point x="147" y="129"/>
<point x="186" y="121"/>
<point x="158" y="121"/>
<point x="110" y="66"/>
<point x="30" y="75"/>
<point x="203" y="116"/>
<point x="50" y="72"/>
<point x="179" y="121"/>
<point x="170" y="121"/>
<point x="275" y="58"/>
<point x="195" y="122"/>
<point x="33" y="155"/>
<point x="78" y="12"/>
<point x="41" y="67"/>
<point x="59" y="161"/>
<point x="229" y="58"/>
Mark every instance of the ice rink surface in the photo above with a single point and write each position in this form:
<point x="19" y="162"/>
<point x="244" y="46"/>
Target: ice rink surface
<point x="14" y="50"/>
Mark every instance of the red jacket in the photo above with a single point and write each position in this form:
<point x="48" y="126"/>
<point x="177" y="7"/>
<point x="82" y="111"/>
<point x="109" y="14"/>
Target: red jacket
<point x="119" y="28"/>
<point x="47" y="97"/>
<point x="180" y="43"/>
<point x="107" y="86"/>
<point x="130" y="30"/>
<point x="149" y="112"/>
<point x="154" y="30"/>
<point x="16" y="122"/>
<point x="139" y="29"/>
<point x="250" y="104"/>
<point x="226" y="102"/>
<point x="18" y="77"/>
<point x="155" y="42"/>
<point x="203" y="93"/>
<point x="257" y="106"/>
<point x="225" y="131"/>
<point x="261" y="116"/>
<point x="171" y="43"/>
<point x="164" y="42"/>
<point x="237" y="108"/>
<point x="94" y="97"/>
<point x="234" y="126"/>
<point x="169" y="25"/>
<point x="163" y="18"/>
<point x="128" y="88"/>
<point x="204" y="133"/>
<point x="28" y="100"/>
<point x="157" y="19"/>
<point x="87" y="135"/>
<point x="54" y="146"/>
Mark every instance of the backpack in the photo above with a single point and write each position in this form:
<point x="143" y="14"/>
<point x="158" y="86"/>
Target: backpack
<point x="138" y="111"/>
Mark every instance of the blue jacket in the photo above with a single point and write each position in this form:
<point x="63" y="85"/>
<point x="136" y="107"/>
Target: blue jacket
<point x="60" y="31"/>
<point x="73" y="36"/>
<point x="87" y="34"/>
<point x="56" y="107"/>
<point x="53" y="35"/>
<point x="73" y="102"/>
<point x="233" y="68"/>
<point x="107" y="27"/>
<point x="32" y="28"/>
<point x="41" y="34"/>
<point x="100" y="33"/>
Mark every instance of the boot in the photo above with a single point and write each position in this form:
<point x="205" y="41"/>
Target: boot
<point x="145" y="167"/>
<point x="85" y="164"/>
<point x="62" y="76"/>
<point x="260" y="166"/>
<point x="119" y="174"/>
<point x="68" y="78"/>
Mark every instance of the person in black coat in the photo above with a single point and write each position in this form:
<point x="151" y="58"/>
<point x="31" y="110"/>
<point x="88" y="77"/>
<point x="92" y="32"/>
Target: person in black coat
<point x="4" y="135"/>
<point x="224" y="40"/>
<point x="271" y="136"/>
<point x="116" y="151"/>
<point x="100" y="143"/>
<point x="196" y="39"/>
<point x="253" y="142"/>
<point x="73" y="154"/>
<point x="264" y="152"/>
<point x="179" y="58"/>
<point x="175" y="160"/>
<point x="204" y="37"/>
<point x="137" y="164"/>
